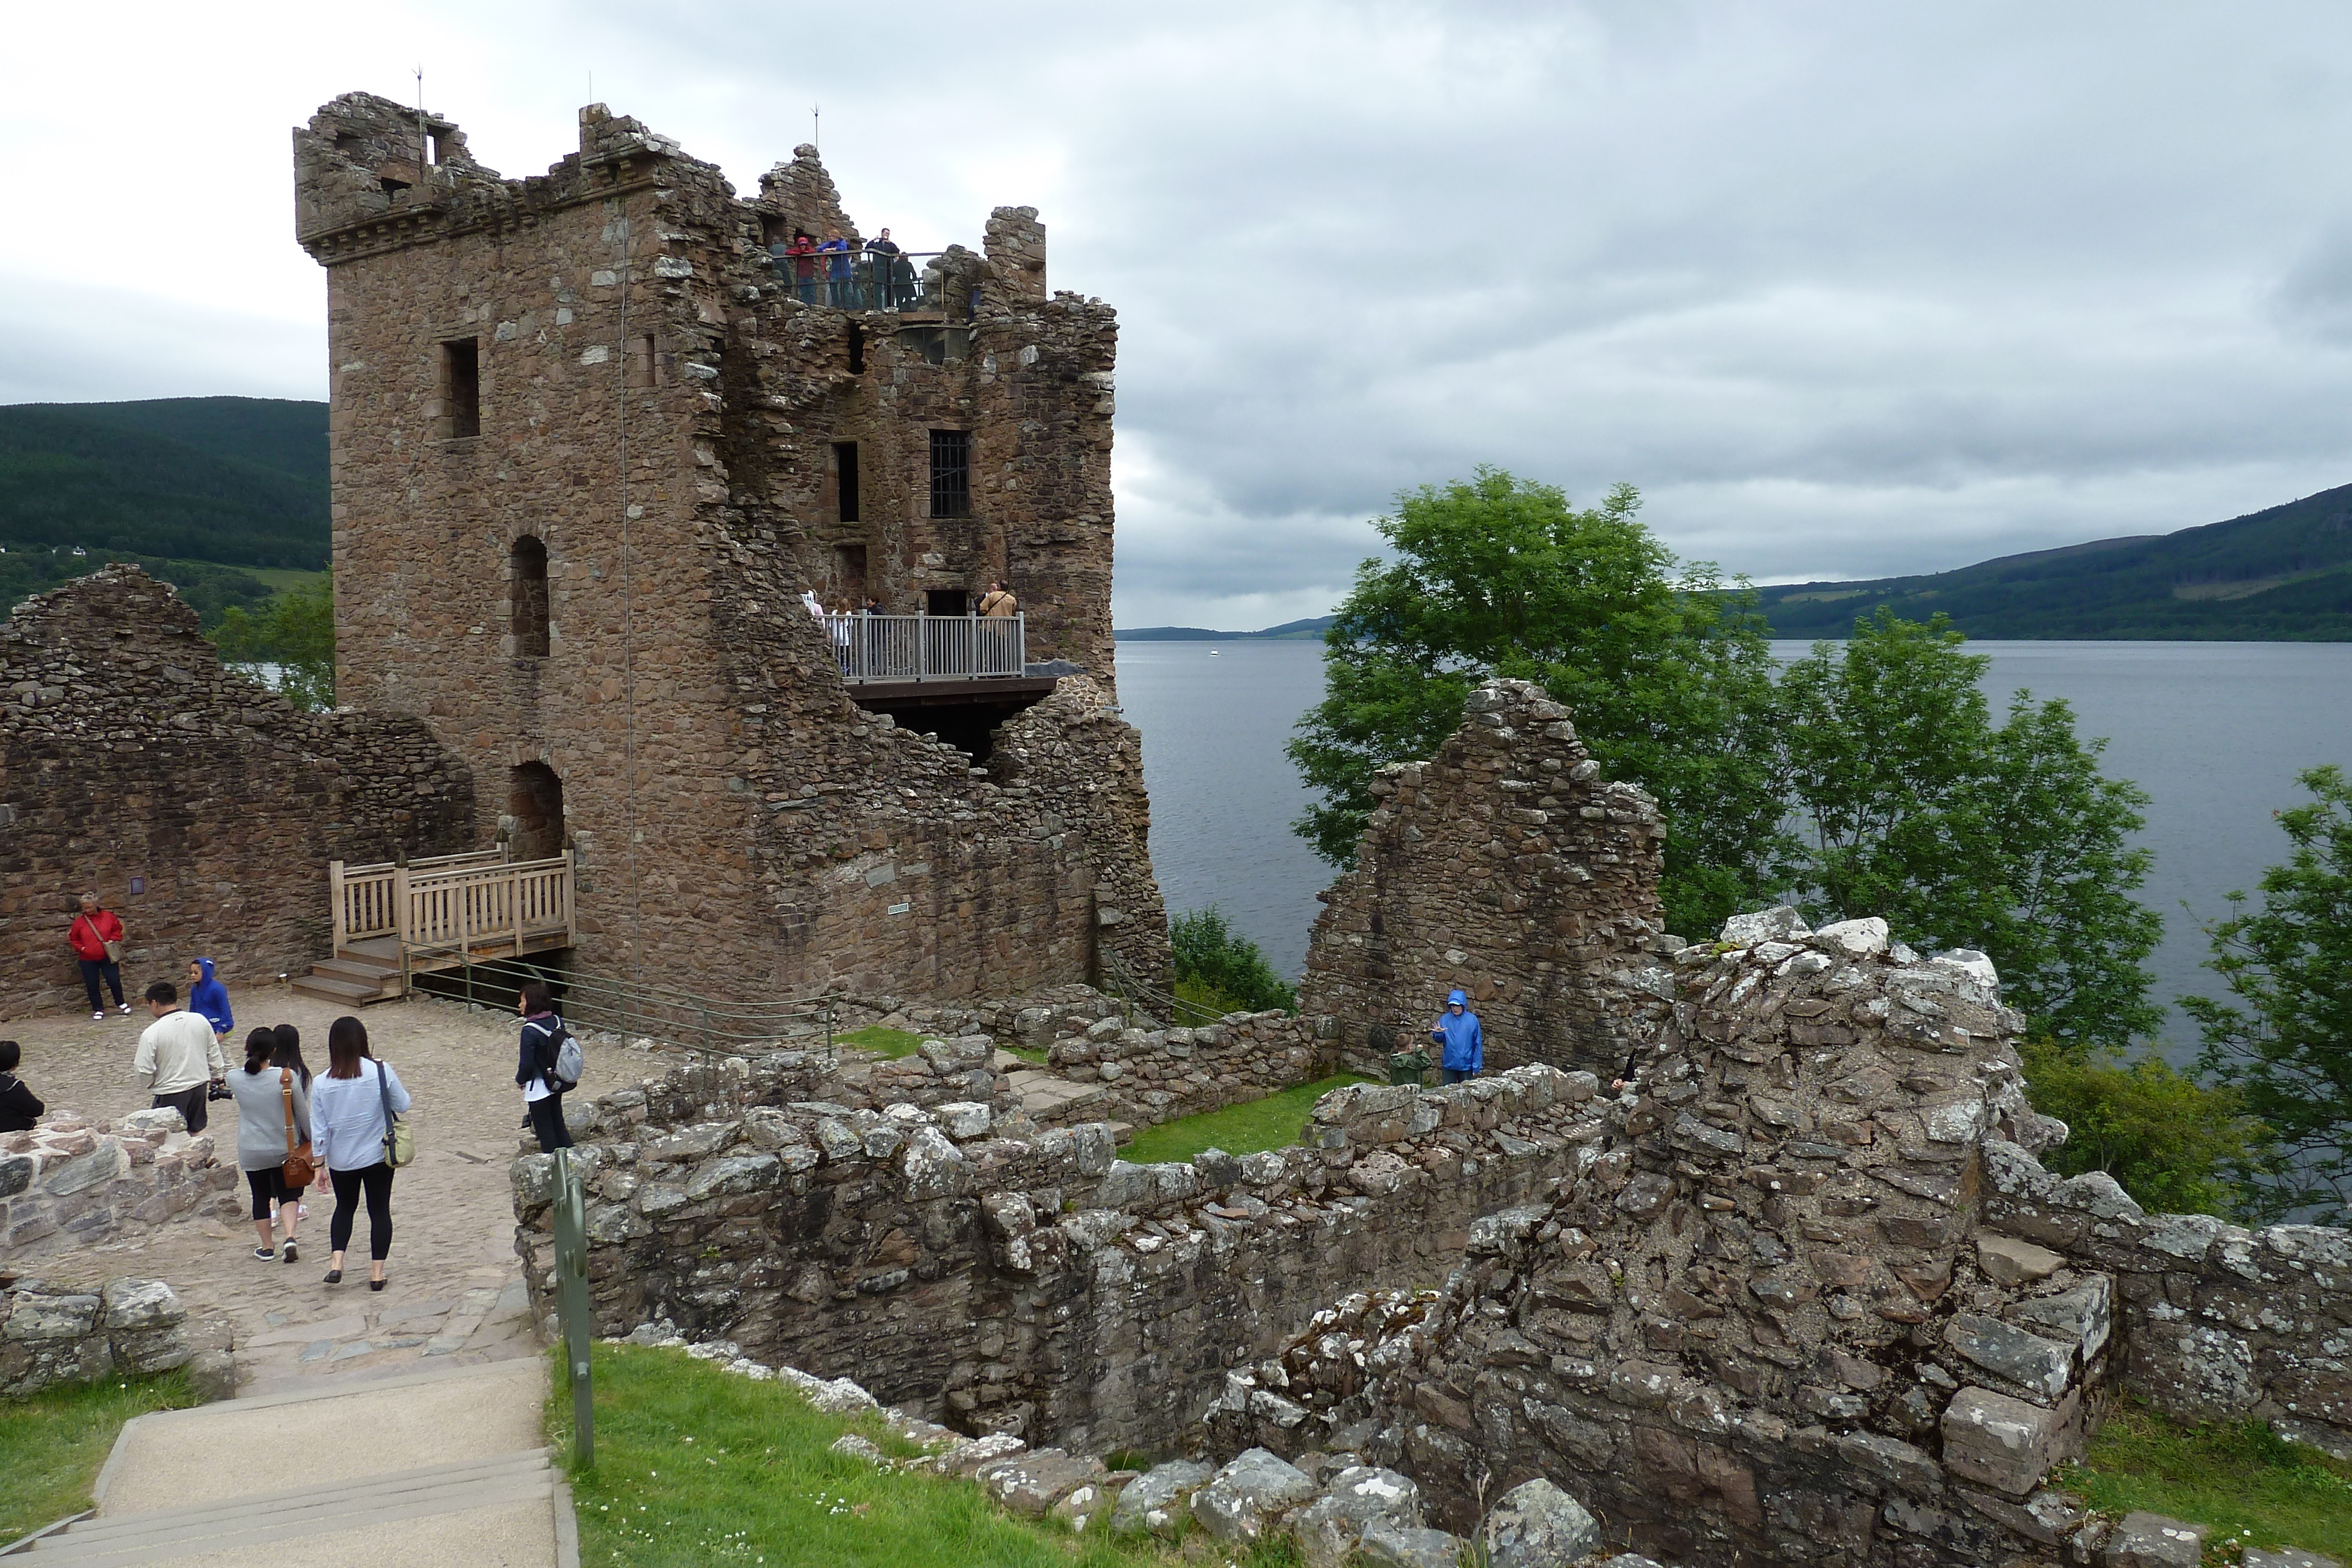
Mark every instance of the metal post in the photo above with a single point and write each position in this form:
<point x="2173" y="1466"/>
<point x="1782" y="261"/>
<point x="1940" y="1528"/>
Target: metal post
<point x="572" y="1305"/>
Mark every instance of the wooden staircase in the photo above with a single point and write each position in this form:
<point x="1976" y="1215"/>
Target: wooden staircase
<point x="396" y="921"/>
<point x="353" y="981"/>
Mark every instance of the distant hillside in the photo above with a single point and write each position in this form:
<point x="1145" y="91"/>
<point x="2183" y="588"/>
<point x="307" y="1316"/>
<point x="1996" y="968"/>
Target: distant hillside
<point x="2282" y="575"/>
<point x="1288" y="629"/>
<point x="238" y="481"/>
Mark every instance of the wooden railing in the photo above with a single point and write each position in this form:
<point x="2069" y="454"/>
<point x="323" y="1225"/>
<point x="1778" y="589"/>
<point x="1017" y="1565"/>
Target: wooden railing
<point x="454" y="902"/>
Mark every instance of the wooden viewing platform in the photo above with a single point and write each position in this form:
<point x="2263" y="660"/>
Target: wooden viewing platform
<point x="394" y="921"/>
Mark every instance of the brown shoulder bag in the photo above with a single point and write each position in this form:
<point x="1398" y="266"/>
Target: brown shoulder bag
<point x="296" y="1170"/>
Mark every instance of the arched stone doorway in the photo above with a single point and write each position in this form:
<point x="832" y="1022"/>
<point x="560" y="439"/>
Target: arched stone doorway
<point x="535" y="802"/>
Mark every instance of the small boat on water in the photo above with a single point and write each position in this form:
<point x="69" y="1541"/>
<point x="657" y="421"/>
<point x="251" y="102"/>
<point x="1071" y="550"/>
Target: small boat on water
<point x="1213" y="653"/>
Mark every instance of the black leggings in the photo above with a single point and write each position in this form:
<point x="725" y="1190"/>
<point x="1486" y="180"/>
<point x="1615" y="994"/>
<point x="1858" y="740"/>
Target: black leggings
<point x="267" y="1185"/>
<point x="377" y="1178"/>
<point x="547" y="1120"/>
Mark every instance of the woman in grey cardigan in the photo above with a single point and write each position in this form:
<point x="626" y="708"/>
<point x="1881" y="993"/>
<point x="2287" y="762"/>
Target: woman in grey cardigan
<point x="260" y="1091"/>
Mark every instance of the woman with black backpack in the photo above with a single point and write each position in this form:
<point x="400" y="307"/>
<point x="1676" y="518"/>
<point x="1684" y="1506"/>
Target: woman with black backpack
<point x="542" y="1092"/>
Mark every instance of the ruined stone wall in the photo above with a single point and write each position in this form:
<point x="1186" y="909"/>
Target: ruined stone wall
<point x="2219" y="1322"/>
<point x="1504" y="866"/>
<point x="659" y="415"/>
<point x="1029" y="1283"/>
<point x="1813" y="1301"/>
<point x="1150" y="1076"/>
<point x="127" y="751"/>
<point x="72" y="1182"/>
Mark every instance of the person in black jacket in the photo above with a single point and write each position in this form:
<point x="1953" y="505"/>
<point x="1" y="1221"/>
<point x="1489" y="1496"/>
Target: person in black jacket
<point x="542" y="1094"/>
<point x="19" y="1106"/>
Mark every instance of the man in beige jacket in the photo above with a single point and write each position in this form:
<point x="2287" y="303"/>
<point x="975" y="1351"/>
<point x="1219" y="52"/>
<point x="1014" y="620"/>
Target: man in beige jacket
<point x="178" y="1056"/>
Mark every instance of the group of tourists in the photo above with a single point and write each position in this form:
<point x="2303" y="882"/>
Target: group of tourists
<point x="343" y="1132"/>
<point x="847" y="274"/>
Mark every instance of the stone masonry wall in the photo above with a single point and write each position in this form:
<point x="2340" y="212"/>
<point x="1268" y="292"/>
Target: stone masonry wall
<point x="72" y="1182"/>
<point x="665" y="420"/>
<point x="2219" y="1322"/>
<point x="1813" y="1301"/>
<point x="1150" y="1076"/>
<point x="1033" y="1284"/>
<point x="127" y="751"/>
<point x="1506" y="866"/>
<point x="58" y="1333"/>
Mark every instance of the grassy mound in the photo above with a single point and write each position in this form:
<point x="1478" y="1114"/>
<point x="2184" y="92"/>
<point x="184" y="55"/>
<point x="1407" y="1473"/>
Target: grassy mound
<point x="2246" y="1481"/>
<point x="52" y="1444"/>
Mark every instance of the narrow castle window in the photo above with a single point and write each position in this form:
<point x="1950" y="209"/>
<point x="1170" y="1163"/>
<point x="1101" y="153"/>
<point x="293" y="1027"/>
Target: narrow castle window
<point x="856" y="349"/>
<point x="950" y="473"/>
<point x="527" y="597"/>
<point x="461" y="388"/>
<point x="845" y="479"/>
<point x="645" y="365"/>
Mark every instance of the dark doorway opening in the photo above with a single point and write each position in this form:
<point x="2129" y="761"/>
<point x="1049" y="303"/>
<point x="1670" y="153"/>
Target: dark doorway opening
<point x="946" y="600"/>
<point x="845" y="479"/>
<point x="527" y="597"/>
<point x="535" y="802"/>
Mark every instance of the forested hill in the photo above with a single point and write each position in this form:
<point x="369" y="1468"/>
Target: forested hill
<point x="2276" y="575"/>
<point x="235" y="480"/>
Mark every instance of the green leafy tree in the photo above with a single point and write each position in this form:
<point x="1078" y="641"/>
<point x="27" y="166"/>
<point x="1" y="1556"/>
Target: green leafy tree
<point x="1666" y="668"/>
<point x="1913" y="805"/>
<point x="1217" y="968"/>
<point x="296" y="631"/>
<point x="2285" y="1042"/>
<point x="2176" y="1146"/>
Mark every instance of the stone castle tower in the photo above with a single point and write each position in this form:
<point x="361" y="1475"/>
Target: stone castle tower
<point x="591" y="444"/>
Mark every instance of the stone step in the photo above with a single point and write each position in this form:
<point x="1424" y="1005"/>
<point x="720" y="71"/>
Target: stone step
<point x="242" y="1524"/>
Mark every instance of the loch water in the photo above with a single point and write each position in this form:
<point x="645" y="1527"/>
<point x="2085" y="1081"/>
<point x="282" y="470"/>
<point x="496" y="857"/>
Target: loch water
<point x="2215" y="732"/>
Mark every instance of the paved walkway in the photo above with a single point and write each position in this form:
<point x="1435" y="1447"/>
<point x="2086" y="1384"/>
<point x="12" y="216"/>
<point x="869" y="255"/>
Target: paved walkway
<point x="455" y="1293"/>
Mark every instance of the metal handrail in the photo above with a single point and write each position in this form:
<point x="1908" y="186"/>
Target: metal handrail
<point x="904" y="281"/>
<point x="871" y="646"/>
<point x="1122" y="982"/>
<point x="712" y="1025"/>
<point x="574" y="1314"/>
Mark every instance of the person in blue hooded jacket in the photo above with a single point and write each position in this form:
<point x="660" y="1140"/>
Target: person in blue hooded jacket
<point x="209" y="999"/>
<point x="1465" y="1046"/>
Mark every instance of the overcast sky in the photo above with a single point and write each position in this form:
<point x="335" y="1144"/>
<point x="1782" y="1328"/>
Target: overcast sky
<point x="1847" y="289"/>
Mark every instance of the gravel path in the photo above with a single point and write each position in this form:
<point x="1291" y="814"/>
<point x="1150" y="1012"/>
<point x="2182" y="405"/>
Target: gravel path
<point x="454" y="1292"/>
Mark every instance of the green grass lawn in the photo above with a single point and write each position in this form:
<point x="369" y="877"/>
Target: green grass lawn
<point x="52" y="1444"/>
<point x="889" y="1042"/>
<point x="696" y="1465"/>
<point x="1246" y="1129"/>
<point x="2243" y="1480"/>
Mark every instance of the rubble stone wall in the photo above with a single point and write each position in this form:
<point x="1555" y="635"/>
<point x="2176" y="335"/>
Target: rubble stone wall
<point x="2219" y="1322"/>
<point x="1813" y="1300"/>
<point x="668" y="425"/>
<point x="1150" y="1076"/>
<point x="1506" y="866"/>
<point x="53" y="1334"/>
<point x="72" y="1182"/>
<point x="1029" y="1283"/>
<point x="126" y="751"/>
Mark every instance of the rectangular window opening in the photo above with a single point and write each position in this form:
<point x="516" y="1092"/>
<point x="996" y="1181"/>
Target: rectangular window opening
<point x="856" y="349"/>
<point x="433" y="148"/>
<point x="845" y="479"/>
<point x="461" y="388"/>
<point x="645" y="364"/>
<point x="950" y="473"/>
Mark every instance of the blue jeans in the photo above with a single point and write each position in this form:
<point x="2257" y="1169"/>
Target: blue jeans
<point x="1456" y="1074"/>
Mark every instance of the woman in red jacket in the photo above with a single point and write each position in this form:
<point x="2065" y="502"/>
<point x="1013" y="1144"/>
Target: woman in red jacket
<point x="92" y="929"/>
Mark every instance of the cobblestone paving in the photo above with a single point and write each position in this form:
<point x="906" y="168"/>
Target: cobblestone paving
<point x="454" y="1292"/>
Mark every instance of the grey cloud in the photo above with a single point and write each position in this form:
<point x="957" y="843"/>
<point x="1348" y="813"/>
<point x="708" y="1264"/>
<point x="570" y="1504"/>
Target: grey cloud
<point x="1848" y="289"/>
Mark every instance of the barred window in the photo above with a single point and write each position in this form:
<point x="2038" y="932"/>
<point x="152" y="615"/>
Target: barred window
<point x="950" y="473"/>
